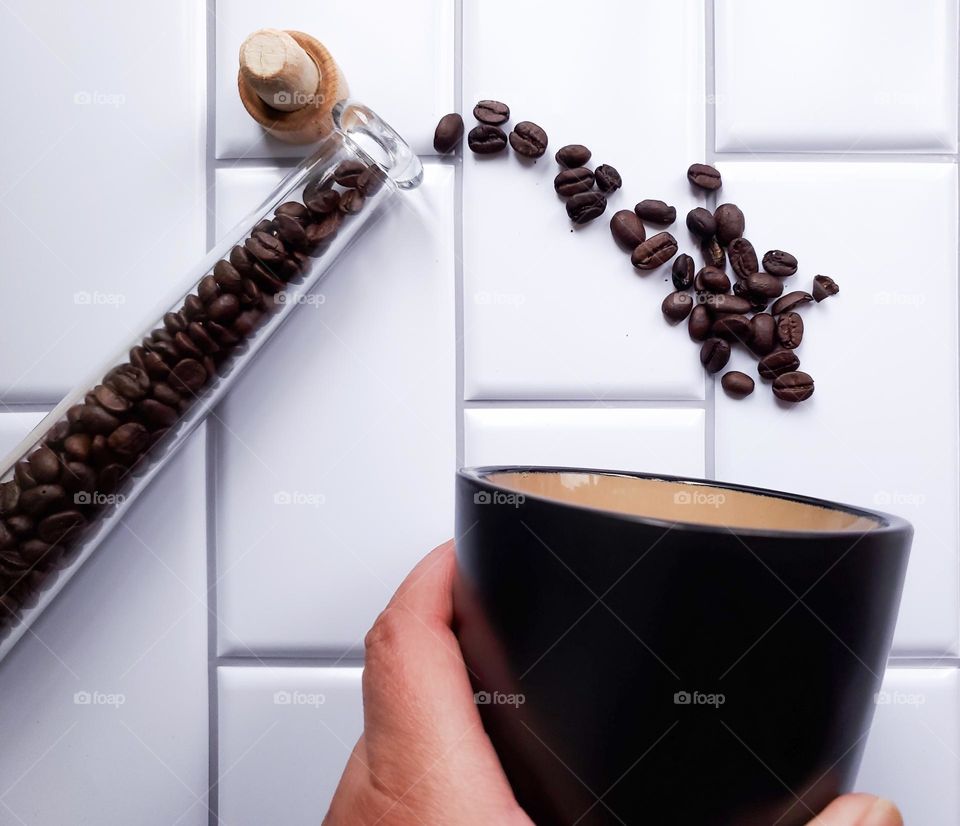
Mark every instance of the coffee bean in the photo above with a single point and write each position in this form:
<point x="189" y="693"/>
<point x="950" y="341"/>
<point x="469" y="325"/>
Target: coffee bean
<point x="571" y="181"/>
<point x="608" y="179"/>
<point x="79" y="477"/>
<point x="491" y="112"/>
<point x="267" y="249"/>
<point x="730" y="223"/>
<point x="448" y="134"/>
<point x="351" y="202"/>
<point x="737" y="384"/>
<point x="175" y="322"/>
<point x="37" y="500"/>
<point x="777" y="363"/>
<point x="320" y="234"/>
<point x="291" y="232"/>
<point x="656" y="212"/>
<point x="110" y="400"/>
<point x="486" y="140"/>
<point x="9" y="497"/>
<point x="157" y="414"/>
<point x="704" y="176"/>
<point x="793" y="387"/>
<point x="207" y="289"/>
<point x="585" y="206"/>
<point x="627" y="229"/>
<point x="164" y="393"/>
<point x="188" y="376"/>
<point x="20" y="524"/>
<point x="370" y="181"/>
<point x="129" y="439"/>
<point x="7" y="539"/>
<point x="757" y="302"/>
<point x="743" y="257"/>
<point x="726" y="304"/>
<point x="110" y="477"/>
<point x="347" y="173"/>
<point x="712" y="280"/>
<point x="823" y="287"/>
<point x="677" y="306"/>
<point x="228" y="278"/>
<point x="242" y="260"/>
<point x="732" y="328"/>
<point x="266" y="280"/>
<point x="321" y="201"/>
<point x="655" y="251"/>
<point x="779" y="263"/>
<point x="266" y="226"/>
<point x="528" y="139"/>
<point x="77" y="446"/>
<point x="714" y="354"/>
<point x="129" y="381"/>
<point x="763" y="334"/>
<point x="59" y="526"/>
<point x="699" y="324"/>
<point x="91" y="418"/>
<point x="22" y="473"/>
<point x="790" y="330"/>
<point x="44" y="465"/>
<point x="201" y="338"/>
<point x="713" y="253"/>
<point x="762" y="285"/>
<point x="225" y="309"/>
<point x="701" y="223"/>
<point x="246" y="322"/>
<point x="682" y="272"/>
<point x="294" y="209"/>
<point x="790" y="302"/>
<point x="573" y="155"/>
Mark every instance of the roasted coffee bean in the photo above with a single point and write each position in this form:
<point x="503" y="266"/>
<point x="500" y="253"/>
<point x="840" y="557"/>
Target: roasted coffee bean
<point x="370" y="181"/>
<point x="793" y="387"/>
<point x="347" y="173"/>
<point x="201" y="338"/>
<point x="207" y="289"/>
<point x="157" y="414"/>
<point x="56" y="433"/>
<point x="714" y="354"/>
<point x="193" y="307"/>
<point x="627" y="229"/>
<point x="743" y="257"/>
<point x="59" y="526"/>
<point x="449" y="133"/>
<point x="732" y="328"/>
<point x="776" y="363"/>
<point x="291" y="232"/>
<point x="320" y="235"/>
<point x="22" y="472"/>
<point x="726" y="304"/>
<point x="730" y="223"/>
<point x="174" y="322"/>
<point x="44" y="465"/>
<point x="9" y="497"/>
<point x="491" y="112"/>
<point x="351" y="202"/>
<point x="607" y="177"/>
<point x="79" y="477"/>
<point x="699" y="323"/>
<point x="790" y="302"/>
<point x="762" y="285"/>
<point x="571" y="181"/>
<point x="77" y="447"/>
<point x="763" y="334"/>
<point x="677" y="306"/>
<point x="21" y="524"/>
<point x="292" y="209"/>
<point x="573" y="155"/>
<point x="585" y="206"/>
<point x="712" y="280"/>
<point x="91" y="418"/>
<point x="656" y="212"/>
<point x="247" y="322"/>
<point x="757" y="302"/>
<point x="321" y="201"/>
<point x="7" y="539"/>
<point x="713" y="253"/>
<point x="242" y="260"/>
<point x="265" y="226"/>
<point x="528" y="139"/>
<point x="823" y="287"/>
<point x="185" y="346"/>
<point x="110" y="477"/>
<point x="266" y="280"/>
<point x="790" y="330"/>
<point x="40" y="499"/>
<point x="701" y="223"/>
<point x="188" y="376"/>
<point x="267" y="249"/>
<point x="164" y="393"/>
<point x="225" y="309"/>
<point x="129" y="439"/>
<point x="704" y="176"/>
<point x="656" y="250"/>
<point x="737" y="384"/>
<point x="779" y="263"/>
<point x="682" y="272"/>
<point x="154" y="366"/>
<point x="487" y="140"/>
<point x="110" y="400"/>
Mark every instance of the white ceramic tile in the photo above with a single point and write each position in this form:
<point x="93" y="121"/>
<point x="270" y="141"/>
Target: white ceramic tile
<point x="239" y="191"/>
<point x="654" y="441"/>
<point x="881" y="429"/>
<point x="102" y="194"/>
<point x="14" y="427"/>
<point x="285" y="735"/>
<point x="104" y="710"/>
<point x="881" y="75"/>
<point x="550" y="312"/>
<point x="349" y="415"/>
<point x="397" y="58"/>
<point x="913" y="750"/>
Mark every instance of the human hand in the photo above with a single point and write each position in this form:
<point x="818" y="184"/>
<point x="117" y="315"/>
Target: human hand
<point x="424" y="757"/>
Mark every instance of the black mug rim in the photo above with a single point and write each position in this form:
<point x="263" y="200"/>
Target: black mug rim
<point x="887" y="524"/>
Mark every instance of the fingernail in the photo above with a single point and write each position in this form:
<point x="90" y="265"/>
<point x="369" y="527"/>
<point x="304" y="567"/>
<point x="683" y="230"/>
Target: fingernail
<point x="882" y="813"/>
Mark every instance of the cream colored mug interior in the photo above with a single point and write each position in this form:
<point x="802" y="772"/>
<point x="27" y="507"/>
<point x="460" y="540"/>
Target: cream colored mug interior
<point x="680" y="501"/>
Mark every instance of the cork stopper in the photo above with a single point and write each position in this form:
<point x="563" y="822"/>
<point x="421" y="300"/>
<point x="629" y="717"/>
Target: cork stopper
<point x="289" y="83"/>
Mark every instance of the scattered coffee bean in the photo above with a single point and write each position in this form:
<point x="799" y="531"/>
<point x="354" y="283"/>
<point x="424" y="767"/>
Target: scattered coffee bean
<point x="743" y="257"/>
<point x="757" y="302"/>
<point x="491" y="112"/>
<point x="761" y="285"/>
<point x="656" y="212"/>
<point x="777" y="363"/>
<point x="701" y="223"/>
<point x="682" y="272"/>
<point x="730" y="223"/>
<point x="713" y="253"/>
<point x="712" y="280"/>
<point x="528" y="139"/>
<point x="608" y="179"/>
<point x="790" y="330"/>
<point x="793" y="387"/>
<point x="763" y="334"/>
<point x="790" y="302"/>
<point x="571" y="181"/>
<point x="486" y="140"/>
<point x="627" y="229"/>
<point x="732" y="328"/>
<point x="573" y="155"/>
<point x="823" y="287"/>
<point x="779" y="263"/>
<point x="714" y="354"/>
<point x="737" y="384"/>
<point x="348" y="172"/>
<point x="448" y="134"/>
<point x="704" y="176"/>
<point x="655" y="251"/>
<point x="700" y="323"/>
<point x="585" y="206"/>
<point x="677" y="306"/>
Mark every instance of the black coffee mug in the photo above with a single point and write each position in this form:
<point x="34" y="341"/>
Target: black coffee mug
<point x="654" y="650"/>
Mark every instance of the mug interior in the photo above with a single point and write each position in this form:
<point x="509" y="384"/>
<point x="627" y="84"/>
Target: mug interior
<point x="680" y="501"/>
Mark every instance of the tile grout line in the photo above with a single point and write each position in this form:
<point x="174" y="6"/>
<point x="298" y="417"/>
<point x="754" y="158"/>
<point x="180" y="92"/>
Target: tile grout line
<point x="956" y="340"/>
<point x="458" y="290"/>
<point x="710" y="156"/>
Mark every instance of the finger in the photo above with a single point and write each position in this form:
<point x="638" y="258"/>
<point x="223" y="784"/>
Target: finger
<point x="859" y="810"/>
